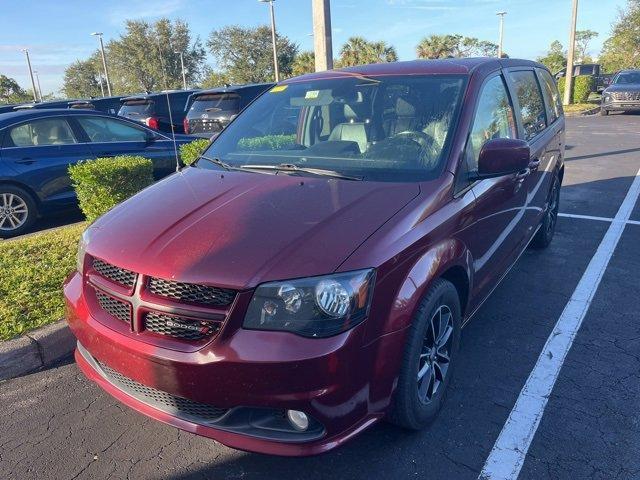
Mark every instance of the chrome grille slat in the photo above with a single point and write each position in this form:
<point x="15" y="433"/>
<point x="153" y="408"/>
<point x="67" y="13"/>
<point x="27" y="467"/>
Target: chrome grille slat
<point x="626" y="96"/>
<point x="165" y="401"/>
<point x="116" y="308"/>
<point x="118" y="275"/>
<point x="191" y="293"/>
<point x="180" y="327"/>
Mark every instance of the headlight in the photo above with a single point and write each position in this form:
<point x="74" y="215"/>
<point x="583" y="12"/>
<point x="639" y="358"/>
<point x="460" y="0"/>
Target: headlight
<point x="312" y="307"/>
<point x="82" y="251"/>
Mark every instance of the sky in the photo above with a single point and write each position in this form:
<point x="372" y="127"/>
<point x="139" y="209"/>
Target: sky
<point x="58" y="32"/>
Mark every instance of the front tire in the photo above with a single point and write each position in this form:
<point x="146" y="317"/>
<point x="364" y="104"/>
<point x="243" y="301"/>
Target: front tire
<point x="18" y="211"/>
<point x="604" y="112"/>
<point x="429" y="358"/>
<point x="548" y="226"/>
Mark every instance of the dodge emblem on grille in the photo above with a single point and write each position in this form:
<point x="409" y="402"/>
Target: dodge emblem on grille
<point x="186" y="326"/>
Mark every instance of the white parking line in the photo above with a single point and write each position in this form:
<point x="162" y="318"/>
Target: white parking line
<point x="509" y="452"/>
<point x="599" y="219"/>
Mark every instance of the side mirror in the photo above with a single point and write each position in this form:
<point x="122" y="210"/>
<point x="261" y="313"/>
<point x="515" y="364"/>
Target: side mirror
<point x="503" y="156"/>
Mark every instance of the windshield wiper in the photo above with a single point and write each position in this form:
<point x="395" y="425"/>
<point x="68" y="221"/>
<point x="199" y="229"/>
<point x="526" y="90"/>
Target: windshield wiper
<point x="289" y="167"/>
<point x="220" y="163"/>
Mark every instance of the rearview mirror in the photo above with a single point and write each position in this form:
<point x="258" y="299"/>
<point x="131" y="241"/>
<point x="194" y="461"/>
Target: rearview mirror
<point x="503" y="156"/>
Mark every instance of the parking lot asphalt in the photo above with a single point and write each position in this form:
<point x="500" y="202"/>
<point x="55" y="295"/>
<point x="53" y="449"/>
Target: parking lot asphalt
<point x="55" y="424"/>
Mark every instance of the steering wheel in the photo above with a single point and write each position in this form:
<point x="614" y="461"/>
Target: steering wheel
<point x="418" y="137"/>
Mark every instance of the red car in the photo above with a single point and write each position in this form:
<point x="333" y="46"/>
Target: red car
<point x="311" y="274"/>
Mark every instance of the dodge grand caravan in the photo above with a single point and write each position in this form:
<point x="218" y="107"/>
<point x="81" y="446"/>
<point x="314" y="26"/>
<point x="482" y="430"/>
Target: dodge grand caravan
<point x="311" y="273"/>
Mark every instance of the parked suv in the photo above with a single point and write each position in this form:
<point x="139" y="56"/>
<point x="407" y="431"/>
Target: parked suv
<point x="212" y="110"/>
<point x="159" y="111"/>
<point x="623" y="94"/>
<point x="102" y="104"/>
<point x="311" y="274"/>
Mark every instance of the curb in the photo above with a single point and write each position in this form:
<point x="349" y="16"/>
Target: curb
<point x="593" y="111"/>
<point x="37" y="349"/>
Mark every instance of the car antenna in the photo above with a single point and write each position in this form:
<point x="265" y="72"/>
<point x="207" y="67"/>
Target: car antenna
<point x="166" y="92"/>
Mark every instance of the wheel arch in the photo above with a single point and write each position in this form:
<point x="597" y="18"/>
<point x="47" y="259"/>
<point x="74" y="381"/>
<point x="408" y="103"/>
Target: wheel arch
<point x="26" y="188"/>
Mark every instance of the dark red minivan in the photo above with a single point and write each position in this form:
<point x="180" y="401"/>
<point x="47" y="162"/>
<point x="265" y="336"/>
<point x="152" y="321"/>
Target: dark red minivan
<point x="311" y="273"/>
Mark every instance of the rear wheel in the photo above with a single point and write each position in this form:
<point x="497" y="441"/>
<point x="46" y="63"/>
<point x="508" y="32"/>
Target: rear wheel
<point x="548" y="226"/>
<point x="604" y="111"/>
<point x="429" y="357"/>
<point x="17" y="211"/>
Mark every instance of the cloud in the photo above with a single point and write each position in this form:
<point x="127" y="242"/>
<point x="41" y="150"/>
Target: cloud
<point x="141" y="9"/>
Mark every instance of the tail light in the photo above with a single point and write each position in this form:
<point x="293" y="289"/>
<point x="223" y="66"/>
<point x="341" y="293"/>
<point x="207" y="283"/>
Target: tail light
<point x="185" y="123"/>
<point x="152" y="122"/>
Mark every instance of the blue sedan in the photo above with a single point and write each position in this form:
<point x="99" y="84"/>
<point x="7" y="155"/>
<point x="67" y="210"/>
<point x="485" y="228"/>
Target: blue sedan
<point x="37" y="147"/>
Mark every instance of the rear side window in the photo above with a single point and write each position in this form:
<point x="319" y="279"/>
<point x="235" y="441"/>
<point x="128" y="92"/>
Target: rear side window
<point x="551" y="95"/>
<point x="50" y="131"/>
<point x="531" y="104"/>
<point x="100" y="129"/>
<point x="493" y="119"/>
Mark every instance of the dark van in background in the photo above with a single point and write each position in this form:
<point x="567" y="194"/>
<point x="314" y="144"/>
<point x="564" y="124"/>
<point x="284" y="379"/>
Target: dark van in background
<point x="152" y="109"/>
<point x="103" y="104"/>
<point x="212" y="110"/>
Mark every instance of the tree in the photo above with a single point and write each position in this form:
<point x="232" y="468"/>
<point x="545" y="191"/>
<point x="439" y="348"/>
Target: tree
<point x="304" y="62"/>
<point x="583" y="38"/>
<point x="246" y="54"/>
<point x="358" y="51"/>
<point x="82" y="78"/>
<point x="11" y="92"/>
<point x="622" y="48"/>
<point x="213" y="79"/>
<point x="455" y="46"/>
<point x="147" y="56"/>
<point x="555" y="59"/>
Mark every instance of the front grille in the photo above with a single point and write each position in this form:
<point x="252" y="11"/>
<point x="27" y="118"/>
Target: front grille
<point x="119" y="309"/>
<point x="172" y="404"/>
<point x="115" y="274"/>
<point x="626" y="96"/>
<point x="179" y="327"/>
<point x="191" y="293"/>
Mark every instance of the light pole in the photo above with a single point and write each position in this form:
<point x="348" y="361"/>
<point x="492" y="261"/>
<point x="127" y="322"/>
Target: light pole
<point x="273" y="38"/>
<point x="568" y="82"/>
<point x="501" y="15"/>
<point x="35" y="72"/>
<point x="322" y="42"/>
<point x="104" y="61"/>
<point x="184" y="75"/>
<point x="33" y="82"/>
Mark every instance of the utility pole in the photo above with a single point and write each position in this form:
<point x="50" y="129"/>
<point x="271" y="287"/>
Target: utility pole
<point x="322" y="43"/>
<point x="104" y="61"/>
<point x="568" y="84"/>
<point x="273" y="38"/>
<point x="35" y="72"/>
<point x="33" y="82"/>
<point x="184" y="75"/>
<point x="501" y="15"/>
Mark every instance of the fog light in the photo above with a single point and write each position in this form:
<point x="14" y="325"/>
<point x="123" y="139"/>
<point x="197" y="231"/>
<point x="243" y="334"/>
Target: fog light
<point x="298" y="419"/>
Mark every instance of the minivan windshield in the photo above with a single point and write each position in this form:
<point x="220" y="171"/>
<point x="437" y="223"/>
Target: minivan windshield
<point x="627" y="78"/>
<point x="215" y="103"/>
<point x="385" y="128"/>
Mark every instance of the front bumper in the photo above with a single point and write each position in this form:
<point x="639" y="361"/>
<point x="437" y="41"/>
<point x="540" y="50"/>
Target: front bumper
<point x="332" y="380"/>
<point x="621" y="105"/>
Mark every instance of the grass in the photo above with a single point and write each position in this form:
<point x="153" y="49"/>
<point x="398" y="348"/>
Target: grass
<point x="579" y="107"/>
<point x="32" y="270"/>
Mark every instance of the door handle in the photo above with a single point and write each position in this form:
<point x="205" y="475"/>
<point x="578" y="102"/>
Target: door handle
<point x="25" y="161"/>
<point x="520" y="176"/>
<point x="534" y="164"/>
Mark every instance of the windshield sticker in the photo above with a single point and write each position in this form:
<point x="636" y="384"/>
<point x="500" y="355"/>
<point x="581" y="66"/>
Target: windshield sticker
<point x="312" y="94"/>
<point x="278" y="88"/>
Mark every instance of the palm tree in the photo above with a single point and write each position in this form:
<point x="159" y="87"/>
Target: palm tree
<point x="304" y="62"/>
<point x="358" y="51"/>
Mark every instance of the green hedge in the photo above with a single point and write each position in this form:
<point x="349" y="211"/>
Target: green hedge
<point x="103" y="183"/>
<point x="583" y="85"/>
<point x="32" y="270"/>
<point x="189" y="152"/>
<point x="267" y="142"/>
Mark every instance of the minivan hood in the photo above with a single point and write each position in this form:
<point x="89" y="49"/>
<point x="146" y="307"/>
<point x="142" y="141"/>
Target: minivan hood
<point x="238" y="229"/>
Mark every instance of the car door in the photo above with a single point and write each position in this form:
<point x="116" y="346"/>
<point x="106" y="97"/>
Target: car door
<point x="110" y="137"/>
<point x="494" y="234"/>
<point x="39" y="152"/>
<point x="531" y="111"/>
